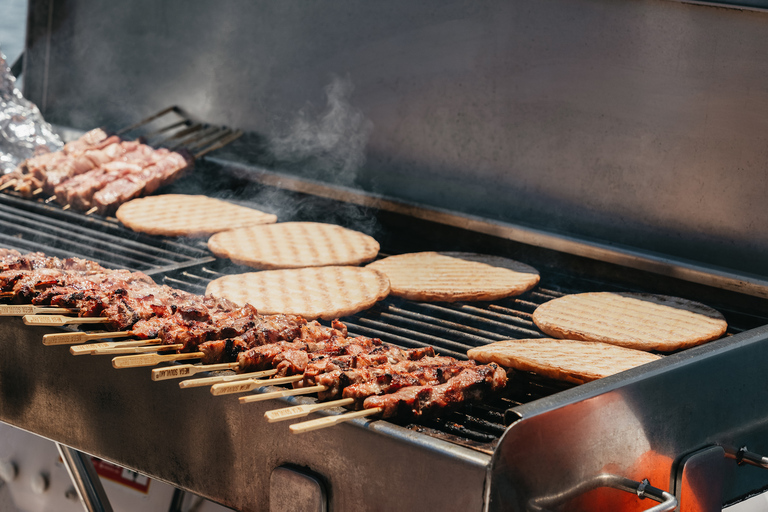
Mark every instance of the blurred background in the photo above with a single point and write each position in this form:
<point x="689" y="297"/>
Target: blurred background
<point x="13" y="21"/>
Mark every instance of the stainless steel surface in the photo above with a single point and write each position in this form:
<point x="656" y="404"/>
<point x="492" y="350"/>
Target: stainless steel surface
<point x="700" y="478"/>
<point x="638" y="122"/>
<point x="643" y="490"/>
<point x="637" y="423"/>
<point x="291" y="489"/>
<point x="215" y="447"/>
<point x="86" y="480"/>
<point x="649" y="261"/>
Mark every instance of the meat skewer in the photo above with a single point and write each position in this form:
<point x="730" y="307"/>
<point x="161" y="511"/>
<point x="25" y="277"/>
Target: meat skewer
<point x="186" y="370"/>
<point x="209" y="381"/>
<point x="74" y="338"/>
<point x="251" y="384"/>
<point x="415" y="401"/>
<point x="300" y="411"/>
<point x="91" y="348"/>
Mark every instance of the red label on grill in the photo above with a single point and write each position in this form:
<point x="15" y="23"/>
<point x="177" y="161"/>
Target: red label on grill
<point x="121" y="475"/>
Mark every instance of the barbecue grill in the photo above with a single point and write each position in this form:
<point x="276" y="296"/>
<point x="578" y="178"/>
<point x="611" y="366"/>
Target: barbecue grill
<point x="589" y="214"/>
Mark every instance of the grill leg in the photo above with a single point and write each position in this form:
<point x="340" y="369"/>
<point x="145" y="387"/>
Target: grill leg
<point x="87" y="483"/>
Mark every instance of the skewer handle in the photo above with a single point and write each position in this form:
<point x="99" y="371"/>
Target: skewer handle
<point x="136" y="350"/>
<point x="299" y="411"/>
<point x="72" y="338"/>
<point x="227" y="388"/>
<point x="55" y="320"/>
<point x="279" y="394"/>
<point x="329" y="421"/>
<point x="185" y="370"/>
<point x="151" y="359"/>
<point x="28" y="309"/>
<point x="90" y="348"/>
<point x="209" y="381"/>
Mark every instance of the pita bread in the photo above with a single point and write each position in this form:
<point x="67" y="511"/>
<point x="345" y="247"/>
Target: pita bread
<point x="294" y="245"/>
<point x="455" y="276"/>
<point x="312" y="292"/>
<point x="187" y="215"/>
<point x="632" y="320"/>
<point x="567" y="360"/>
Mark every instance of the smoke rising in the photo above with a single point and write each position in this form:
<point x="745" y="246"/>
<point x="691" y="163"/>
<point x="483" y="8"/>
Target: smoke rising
<point x="329" y="146"/>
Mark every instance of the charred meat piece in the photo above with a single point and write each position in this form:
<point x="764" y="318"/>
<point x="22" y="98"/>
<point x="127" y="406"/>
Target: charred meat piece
<point x="471" y="384"/>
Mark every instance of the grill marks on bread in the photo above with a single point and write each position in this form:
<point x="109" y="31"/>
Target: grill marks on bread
<point x="313" y="292"/>
<point x="187" y="215"/>
<point x="633" y="320"/>
<point x="566" y="360"/>
<point x="294" y="245"/>
<point x="456" y="276"/>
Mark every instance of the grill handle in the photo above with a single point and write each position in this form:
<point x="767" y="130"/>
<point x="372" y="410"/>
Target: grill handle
<point x="667" y="502"/>
<point x="744" y="456"/>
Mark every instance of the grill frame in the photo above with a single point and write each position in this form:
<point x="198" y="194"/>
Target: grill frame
<point x="459" y="454"/>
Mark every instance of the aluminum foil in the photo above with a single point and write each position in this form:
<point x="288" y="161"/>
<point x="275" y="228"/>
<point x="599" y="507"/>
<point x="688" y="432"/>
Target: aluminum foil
<point x="23" y="131"/>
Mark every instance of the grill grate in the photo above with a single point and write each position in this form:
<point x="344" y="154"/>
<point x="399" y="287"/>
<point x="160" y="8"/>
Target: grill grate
<point x="34" y="226"/>
<point x="452" y="328"/>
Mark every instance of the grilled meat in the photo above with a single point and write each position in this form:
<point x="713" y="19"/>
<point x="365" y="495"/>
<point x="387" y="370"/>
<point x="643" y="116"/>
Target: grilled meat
<point x="471" y="384"/>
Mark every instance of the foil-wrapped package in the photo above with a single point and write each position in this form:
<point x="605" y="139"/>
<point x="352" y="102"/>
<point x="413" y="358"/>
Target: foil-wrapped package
<point x="23" y="131"/>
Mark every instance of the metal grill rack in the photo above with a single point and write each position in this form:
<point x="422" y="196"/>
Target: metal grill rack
<point x="33" y="226"/>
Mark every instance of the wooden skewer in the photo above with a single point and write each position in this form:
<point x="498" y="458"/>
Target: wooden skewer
<point x="27" y="309"/>
<point x="209" y="381"/>
<point x="90" y="348"/>
<point x="279" y="394"/>
<point x="299" y="411"/>
<point x="37" y="191"/>
<point x="226" y="388"/>
<point x="92" y="210"/>
<point x="66" y="207"/>
<point x="8" y="184"/>
<point x="329" y="421"/>
<point x="62" y="320"/>
<point x="136" y="350"/>
<point x="139" y="360"/>
<point x="72" y="338"/>
<point x="52" y="198"/>
<point x="185" y="370"/>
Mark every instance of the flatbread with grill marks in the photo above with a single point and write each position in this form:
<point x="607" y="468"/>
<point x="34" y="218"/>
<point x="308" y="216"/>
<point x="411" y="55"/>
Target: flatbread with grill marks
<point x="312" y="292"/>
<point x="456" y="276"/>
<point x="187" y="215"/>
<point x="633" y="320"/>
<point x="294" y="245"/>
<point x="566" y="360"/>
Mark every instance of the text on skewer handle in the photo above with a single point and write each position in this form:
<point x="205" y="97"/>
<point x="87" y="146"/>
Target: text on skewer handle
<point x="209" y="381"/>
<point x="72" y="338"/>
<point x="299" y="411"/>
<point x="185" y="370"/>
<point x="28" y="309"/>
<point x="227" y="388"/>
<point x="151" y="359"/>
<point x="90" y="348"/>
<point x="329" y="421"/>
<point x="280" y="394"/>
<point x="136" y="350"/>
<point x="56" y="320"/>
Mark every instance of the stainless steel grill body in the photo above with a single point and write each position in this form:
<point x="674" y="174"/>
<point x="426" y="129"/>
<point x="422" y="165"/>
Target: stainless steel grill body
<point x="526" y="129"/>
<point x="558" y="435"/>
